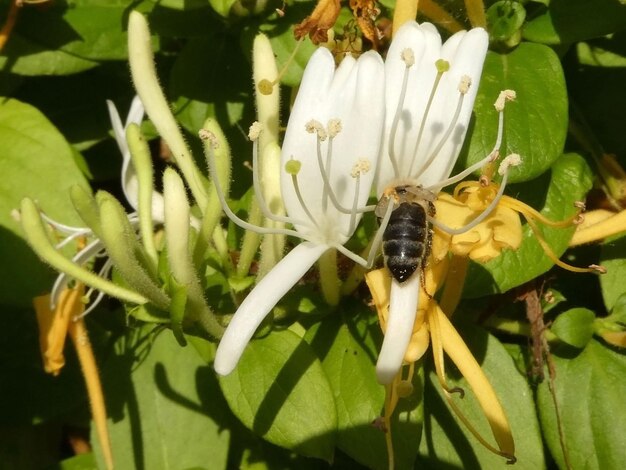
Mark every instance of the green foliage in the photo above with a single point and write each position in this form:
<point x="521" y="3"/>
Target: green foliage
<point x="304" y="394"/>
<point x="589" y="391"/>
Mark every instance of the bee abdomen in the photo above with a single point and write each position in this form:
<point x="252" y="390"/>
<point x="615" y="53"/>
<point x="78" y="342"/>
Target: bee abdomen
<point x="405" y="240"/>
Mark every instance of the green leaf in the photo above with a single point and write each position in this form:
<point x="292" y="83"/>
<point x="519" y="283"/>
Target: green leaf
<point x="567" y="21"/>
<point x="574" y="327"/>
<point x="64" y="39"/>
<point x="613" y="258"/>
<point x="162" y="405"/>
<point x="603" y="52"/>
<point x="569" y="182"/>
<point x="535" y="124"/>
<point x="589" y="391"/>
<point x="446" y="443"/>
<point x="280" y="391"/>
<point x="79" y="462"/>
<point x="36" y="162"/>
<point x="209" y="79"/>
<point x="348" y="350"/>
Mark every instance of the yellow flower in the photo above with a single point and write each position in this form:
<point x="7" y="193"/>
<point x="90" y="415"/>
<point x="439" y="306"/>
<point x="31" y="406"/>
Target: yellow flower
<point x="54" y="326"/>
<point x="502" y="229"/>
<point x="432" y="326"/>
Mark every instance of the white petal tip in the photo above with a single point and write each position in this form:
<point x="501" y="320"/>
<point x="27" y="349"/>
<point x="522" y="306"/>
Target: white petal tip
<point x="385" y="373"/>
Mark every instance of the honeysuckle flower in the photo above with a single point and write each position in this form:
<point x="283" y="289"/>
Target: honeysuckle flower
<point x="54" y="326"/>
<point x="430" y="93"/>
<point x="328" y="159"/>
<point x="432" y="327"/>
<point x="93" y="246"/>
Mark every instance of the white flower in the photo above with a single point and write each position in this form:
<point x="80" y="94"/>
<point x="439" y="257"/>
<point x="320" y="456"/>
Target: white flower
<point x="430" y="93"/>
<point x="130" y="185"/>
<point x="329" y="156"/>
<point x="95" y="248"/>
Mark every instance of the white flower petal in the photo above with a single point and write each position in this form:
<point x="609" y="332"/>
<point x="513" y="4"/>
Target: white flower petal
<point x="403" y="300"/>
<point x="466" y="53"/>
<point x="260" y="302"/>
<point x="353" y="94"/>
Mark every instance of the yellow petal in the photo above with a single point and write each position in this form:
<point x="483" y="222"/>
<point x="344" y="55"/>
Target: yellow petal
<point x="598" y="225"/>
<point x="53" y="327"/>
<point x="462" y="357"/>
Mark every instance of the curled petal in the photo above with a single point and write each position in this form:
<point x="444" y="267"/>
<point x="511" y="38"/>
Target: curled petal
<point x="403" y="302"/>
<point x="260" y="302"/>
<point x="457" y="350"/>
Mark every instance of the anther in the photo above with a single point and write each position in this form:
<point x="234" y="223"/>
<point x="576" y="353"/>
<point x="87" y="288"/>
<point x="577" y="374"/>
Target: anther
<point x="334" y="127"/>
<point x="484" y="181"/>
<point x="361" y="167"/>
<point x="408" y="57"/>
<point x="208" y="136"/>
<point x="315" y="127"/>
<point x="292" y="167"/>
<point x="464" y="86"/>
<point x="580" y="205"/>
<point x="255" y="130"/>
<point x="597" y="268"/>
<point x="503" y="97"/>
<point x="512" y="160"/>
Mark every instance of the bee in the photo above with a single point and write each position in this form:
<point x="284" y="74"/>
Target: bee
<point x="407" y="238"/>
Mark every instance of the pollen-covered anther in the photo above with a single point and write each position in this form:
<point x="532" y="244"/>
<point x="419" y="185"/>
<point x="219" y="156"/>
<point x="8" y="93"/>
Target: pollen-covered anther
<point x="315" y="127"/>
<point x="408" y="57"/>
<point x="255" y="131"/>
<point x="580" y="205"/>
<point x="206" y="135"/>
<point x="361" y="167"/>
<point x="465" y="84"/>
<point x="512" y="160"/>
<point x="503" y="97"/>
<point x="334" y="127"/>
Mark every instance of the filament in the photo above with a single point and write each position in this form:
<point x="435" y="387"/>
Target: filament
<point x="423" y="123"/>
<point x="396" y="120"/>
<point x="256" y="183"/>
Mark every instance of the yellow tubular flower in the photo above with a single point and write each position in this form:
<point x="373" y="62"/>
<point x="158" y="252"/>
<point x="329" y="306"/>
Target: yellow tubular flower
<point x="54" y="326"/>
<point x="433" y="327"/>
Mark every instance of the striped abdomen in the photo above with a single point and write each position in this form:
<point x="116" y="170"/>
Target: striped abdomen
<point x="406" y="240"/>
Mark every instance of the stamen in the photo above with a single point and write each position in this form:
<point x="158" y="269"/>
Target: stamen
<point x="408" y="57"/>
<point x="504" y="171"/>
<point x="254" y="133"/>
<point x="512" y="160"/>
<point x="207" y="135"/>
<point x="396" y="118"/>
<point x="445" y="136"/>
<point x="334" y="127"/>
<point x="503" y="97"/>
<point x="361" y="167"/>
<point x="506" y="95"/>
<point x="292" y="167"/>
<point x="442" y="67"/>
<point x="464" y="86"/>
<point x="328" y="189"/>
